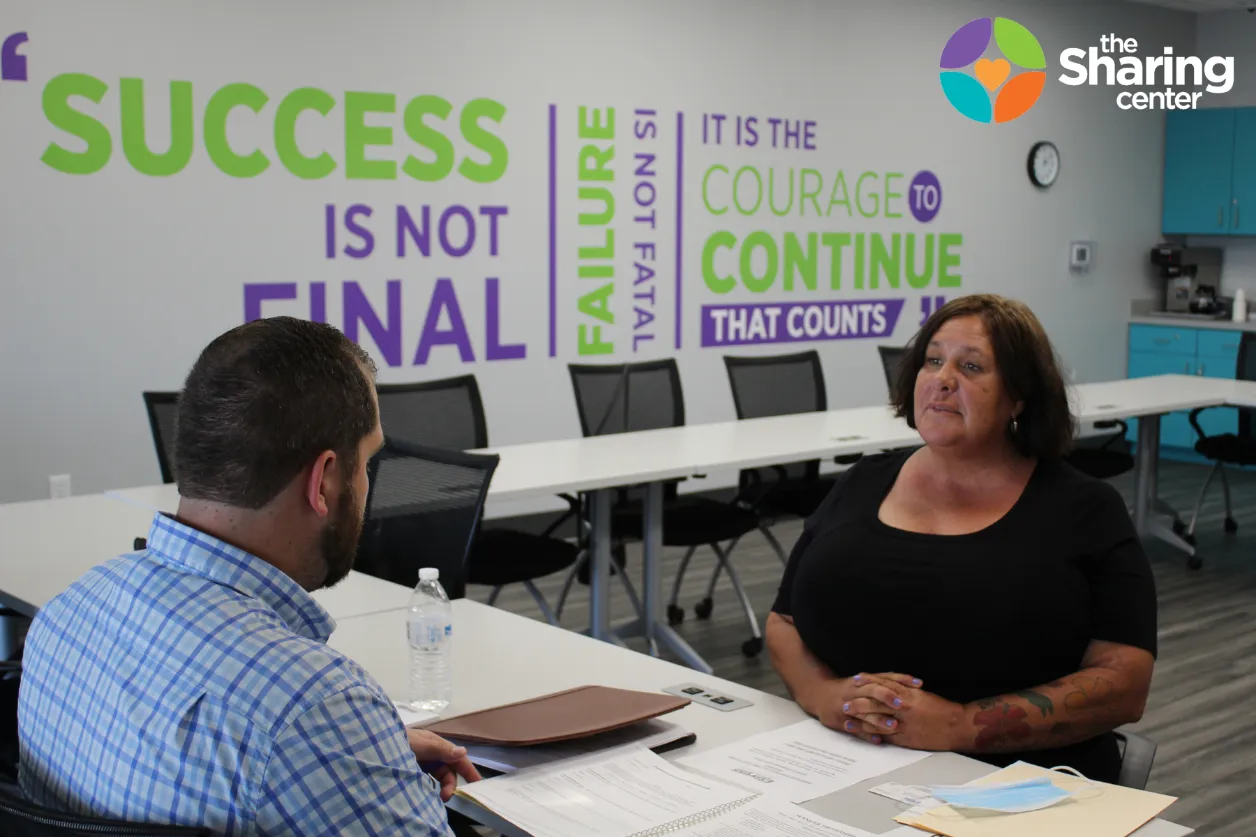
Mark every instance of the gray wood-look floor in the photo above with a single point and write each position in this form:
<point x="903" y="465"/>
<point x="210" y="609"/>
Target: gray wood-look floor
<point x="1202" y="711"/>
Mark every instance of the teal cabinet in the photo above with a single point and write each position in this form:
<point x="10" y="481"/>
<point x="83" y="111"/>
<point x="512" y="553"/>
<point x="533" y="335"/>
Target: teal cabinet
<point x="1199" y="171"/>
<point x="1243" y="183"/>
<point x="1218" y="357"/>
<point x="1172" y="350"/>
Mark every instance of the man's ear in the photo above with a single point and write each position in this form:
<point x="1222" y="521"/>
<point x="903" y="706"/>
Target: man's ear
<point x="322" y="484"/>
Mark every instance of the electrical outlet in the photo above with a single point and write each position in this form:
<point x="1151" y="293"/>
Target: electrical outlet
<point x="59" y="486"/>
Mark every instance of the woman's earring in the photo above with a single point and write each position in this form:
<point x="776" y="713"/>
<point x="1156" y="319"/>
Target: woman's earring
<point x="1014" y="426"/>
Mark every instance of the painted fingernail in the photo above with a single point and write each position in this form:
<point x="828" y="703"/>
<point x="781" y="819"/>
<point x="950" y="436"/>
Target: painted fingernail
<point x="846" y="706"/>
<point x="858" y="677"/>
<point x="898" y="702"/>
<point x="915" y="681"/>
<point x="850" y="725"/>
<point x="876" y="739"/>
<point x="891" y="723"/>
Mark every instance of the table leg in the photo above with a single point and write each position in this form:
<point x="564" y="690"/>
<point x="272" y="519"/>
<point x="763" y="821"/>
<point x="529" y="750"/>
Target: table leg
<point x="599" y="564"/>
<point x="653" y="628"/>
<point x="1146" y="478"/>
<point x="1146" y="463"/>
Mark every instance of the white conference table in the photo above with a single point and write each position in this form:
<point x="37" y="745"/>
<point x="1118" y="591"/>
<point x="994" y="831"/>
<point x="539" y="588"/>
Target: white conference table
<point x="599" y="464"/>
<point x="499" y="657"/>
<point x="45" y="545"/>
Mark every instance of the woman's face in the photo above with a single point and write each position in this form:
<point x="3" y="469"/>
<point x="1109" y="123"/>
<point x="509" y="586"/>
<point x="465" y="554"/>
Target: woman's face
<point x="960" y="399"/>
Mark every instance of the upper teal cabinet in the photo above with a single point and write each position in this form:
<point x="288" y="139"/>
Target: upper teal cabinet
<point x="1199" y="171"/>
<point x="1243" y="198"/>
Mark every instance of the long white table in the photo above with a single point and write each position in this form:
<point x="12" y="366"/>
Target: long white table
<point x="45" y="545"/>
<point x="499" y="657"/>
<point x="598" y="464"/>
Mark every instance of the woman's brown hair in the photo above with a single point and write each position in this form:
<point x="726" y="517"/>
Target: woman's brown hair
<point x="1027" y="367"/>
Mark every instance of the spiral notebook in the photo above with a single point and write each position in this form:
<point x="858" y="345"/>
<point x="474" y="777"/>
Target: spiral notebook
<point x="625" y="792"/>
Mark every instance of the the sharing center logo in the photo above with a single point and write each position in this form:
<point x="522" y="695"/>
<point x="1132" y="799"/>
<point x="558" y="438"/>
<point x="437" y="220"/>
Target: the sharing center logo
<point x="993" y="69"/>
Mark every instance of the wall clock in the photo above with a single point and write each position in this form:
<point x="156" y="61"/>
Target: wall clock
<point x="1044" y="164"/>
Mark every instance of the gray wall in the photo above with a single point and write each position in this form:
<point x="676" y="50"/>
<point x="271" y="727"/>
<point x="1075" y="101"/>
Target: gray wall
<point x="97" y="311"/>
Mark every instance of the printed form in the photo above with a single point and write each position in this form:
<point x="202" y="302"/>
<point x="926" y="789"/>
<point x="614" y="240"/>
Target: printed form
<point x="801" y="762"/>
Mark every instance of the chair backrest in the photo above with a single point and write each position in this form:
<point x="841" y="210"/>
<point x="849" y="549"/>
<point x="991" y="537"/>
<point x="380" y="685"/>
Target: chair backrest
<point x="1138" y="753"/>
<point x="623" y="397"/>
<point x="423" y="510"/>
<point x="445" y="413"/>
<point x="891" y="360"/>
<point x="162" y="409"/>
<point x="777" y="385"/>
<point x="19" y="818"/>
<point x="1246" y="371"/>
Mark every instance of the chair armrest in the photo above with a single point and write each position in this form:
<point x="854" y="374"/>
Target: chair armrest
<point x="1138" y="755"/>
<point x="1122" y="430"/>
<point x="1194" y="420"/>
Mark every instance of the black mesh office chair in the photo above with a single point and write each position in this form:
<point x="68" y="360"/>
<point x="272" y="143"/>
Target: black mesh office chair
<point x="779" y="385"/>
<point x="162" y="408"/>
<point x="1226" y="448"/>
<point x="19" y="818"/>
<point x="630" y="397"/>
<point x="448" y="413"/>
<point x="423" y="510"/>
<point x="891" y="359"/>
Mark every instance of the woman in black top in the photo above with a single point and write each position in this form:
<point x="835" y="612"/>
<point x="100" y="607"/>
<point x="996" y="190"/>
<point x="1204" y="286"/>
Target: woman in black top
<point x="976" y="595"/>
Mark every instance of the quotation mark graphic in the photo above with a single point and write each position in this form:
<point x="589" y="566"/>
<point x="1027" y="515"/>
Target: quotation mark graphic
<point x="12" y="63"/>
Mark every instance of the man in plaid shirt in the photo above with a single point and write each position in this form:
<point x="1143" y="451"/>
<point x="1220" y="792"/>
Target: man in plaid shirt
<point x="190" y="683"/>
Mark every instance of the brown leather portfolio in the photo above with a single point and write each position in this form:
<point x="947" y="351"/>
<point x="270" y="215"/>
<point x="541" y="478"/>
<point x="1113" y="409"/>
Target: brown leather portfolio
<point x="562" y="716"/>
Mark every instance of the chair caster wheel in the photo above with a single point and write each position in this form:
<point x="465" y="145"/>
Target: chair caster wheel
<point x="1231" y="525"/>
<point x="675" y="615"/>
<point x="1195" y="562"/>
<point x="1189" y="538"/>
<point x="703" y="609"/>
<point x="752" y="647"/>
<point x="1178" y="527"/>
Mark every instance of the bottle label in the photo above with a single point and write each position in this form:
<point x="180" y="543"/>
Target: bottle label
<point x="429" y="632"/>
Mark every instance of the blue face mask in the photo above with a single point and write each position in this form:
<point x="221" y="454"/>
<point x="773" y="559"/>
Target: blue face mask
<point x="1011" y="798"/>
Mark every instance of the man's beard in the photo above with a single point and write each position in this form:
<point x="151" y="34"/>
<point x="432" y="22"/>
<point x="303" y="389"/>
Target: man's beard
<point x="339" y="546"/>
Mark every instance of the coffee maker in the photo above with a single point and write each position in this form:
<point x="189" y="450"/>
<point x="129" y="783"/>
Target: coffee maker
<point x="1192" y="277"/>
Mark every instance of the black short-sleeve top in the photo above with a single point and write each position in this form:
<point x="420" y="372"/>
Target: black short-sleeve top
<point x="1009" y="607"/>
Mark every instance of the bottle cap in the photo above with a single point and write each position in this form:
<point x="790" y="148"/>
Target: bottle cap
<point x="429" y="574"/>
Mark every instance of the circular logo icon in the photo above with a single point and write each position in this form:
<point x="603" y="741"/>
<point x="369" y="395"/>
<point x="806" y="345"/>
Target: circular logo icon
<point x="997" y="87"/>
<point x="924" y="196"/>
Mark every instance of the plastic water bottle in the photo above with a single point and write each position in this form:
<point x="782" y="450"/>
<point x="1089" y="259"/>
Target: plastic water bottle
<point x="430" y="631"/>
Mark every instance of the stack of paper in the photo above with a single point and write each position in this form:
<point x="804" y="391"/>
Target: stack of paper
<point x="1097" y="810"/>
<point x="631" y="792"/>
<point x="625" y="792"/>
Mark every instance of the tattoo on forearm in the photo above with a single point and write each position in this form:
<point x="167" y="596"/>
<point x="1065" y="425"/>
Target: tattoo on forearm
<point x="1000" y="722"/>
<point x="1087" y="690"/>
<point x="1043" y="703"/>
<point x="1003" y="720"/>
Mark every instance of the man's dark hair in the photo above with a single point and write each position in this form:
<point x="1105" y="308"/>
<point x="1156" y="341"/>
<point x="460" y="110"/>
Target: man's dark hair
<point x="262" y="402"/>
<point x="1027" y="368"/>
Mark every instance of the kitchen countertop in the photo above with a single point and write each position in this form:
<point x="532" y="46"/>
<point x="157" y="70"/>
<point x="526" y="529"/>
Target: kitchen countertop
<point x="1193" y="322"/>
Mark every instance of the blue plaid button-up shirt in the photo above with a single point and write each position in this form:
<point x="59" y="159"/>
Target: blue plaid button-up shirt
<point x="190" y="683"/>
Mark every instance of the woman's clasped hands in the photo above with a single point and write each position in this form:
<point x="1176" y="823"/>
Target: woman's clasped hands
<point x="893" y="709"/>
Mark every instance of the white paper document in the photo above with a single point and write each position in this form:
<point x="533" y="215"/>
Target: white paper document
<point x="801" y="762"/>
<point x="614" y="794"/>
<point x="767" y="817"/>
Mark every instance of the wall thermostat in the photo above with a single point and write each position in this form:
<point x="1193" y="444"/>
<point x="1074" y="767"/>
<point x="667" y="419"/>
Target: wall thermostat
<point x="1080" y="255"/>
<point x="708" y="697"/>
